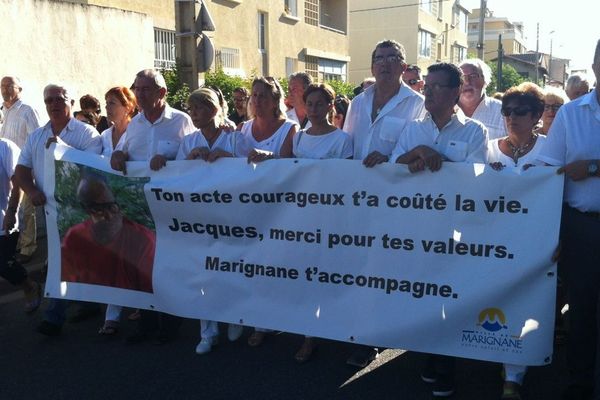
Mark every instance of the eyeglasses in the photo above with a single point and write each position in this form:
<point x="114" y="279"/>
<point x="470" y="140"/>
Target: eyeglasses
<point x="434" y="87"/>
<point x="57" y="99"/>
<point x="100" y="208"/>
<point x="518" y="111"/>
<point x="412" y="82"/>
<point x="391" y="59"/>
<point x="473" y="76"/>
<point x="553" y="107"/>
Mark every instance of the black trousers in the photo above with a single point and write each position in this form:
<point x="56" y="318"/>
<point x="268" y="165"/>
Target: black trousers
<point x="10" y="269"/>
<point x="580" y="265"/>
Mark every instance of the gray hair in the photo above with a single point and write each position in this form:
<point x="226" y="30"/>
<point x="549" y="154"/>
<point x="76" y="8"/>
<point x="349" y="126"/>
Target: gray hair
<point x="483" y="68"/>
<point x="303" y="77"/>
<point x="62" y="87"/>
<point x="577" y="81"/>
<point x="15" y="79"/>
<point x="386" y="44"/>
<point x="155" y="75"/>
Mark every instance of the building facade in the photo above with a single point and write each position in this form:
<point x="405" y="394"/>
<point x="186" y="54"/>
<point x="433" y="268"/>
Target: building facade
<point x="430" y="30"/>
<point x="513" y="39"/>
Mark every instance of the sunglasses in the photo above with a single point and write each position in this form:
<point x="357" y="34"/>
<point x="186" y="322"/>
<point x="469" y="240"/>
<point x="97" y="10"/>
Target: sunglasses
<point x="518" y="111"/>
<point x="413" y="81"/>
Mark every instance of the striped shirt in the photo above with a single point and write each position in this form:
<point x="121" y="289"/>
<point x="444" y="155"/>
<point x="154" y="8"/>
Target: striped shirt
<point x="19" y="121"/>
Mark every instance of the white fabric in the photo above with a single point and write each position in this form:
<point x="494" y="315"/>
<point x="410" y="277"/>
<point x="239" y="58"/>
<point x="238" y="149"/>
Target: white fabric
<point x="291" y="114"/>
<point x="336" y="144"/>
<point x="488" y="113"/>
<point x="515" y="373"/>
<point x="461" y="140"/>
<point x="495" y="155"/>
<point x="113" y="312"/>
<point x="382" y="134"/>
<point x="225" y="142"/>
<point x="19" y="121"/>
<point x="76" y="134"/>
<point x="575" y="135"/>
<point x="107" y="143"/>
<point x="145" y="140"/>
<point x="9" y="154"/>
<point x="246" y="141"/>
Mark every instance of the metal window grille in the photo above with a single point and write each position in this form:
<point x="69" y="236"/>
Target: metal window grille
<point x="311" y="66"/>
<point x="228" y="58"/>
<point x="164" y="49"/>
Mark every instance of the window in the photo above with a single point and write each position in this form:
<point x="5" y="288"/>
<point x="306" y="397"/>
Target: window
<point x="262" y="32"/>
<point x="424" y="44"/>
<point x="332" y="70"/>
<point x="291" y="7"/>
<point x="164" y="49"/>
<point x="227" y="58"/>
<point x="458" y="54"/>
<point x="291" y="65"/>
<point x="311" y="12"/>
<point x="464" y="22"/>
<point x="311" y="66"/>
<point x="426" y="5"/>
<point x="440" y="9"/>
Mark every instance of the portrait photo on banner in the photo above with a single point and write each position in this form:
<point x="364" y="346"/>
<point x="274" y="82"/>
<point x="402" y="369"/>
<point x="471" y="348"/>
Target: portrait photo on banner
<point x="105" y="226"/>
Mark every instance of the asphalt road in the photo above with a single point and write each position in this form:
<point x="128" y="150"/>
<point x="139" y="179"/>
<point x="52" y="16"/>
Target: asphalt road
<point x="80" y="364"/>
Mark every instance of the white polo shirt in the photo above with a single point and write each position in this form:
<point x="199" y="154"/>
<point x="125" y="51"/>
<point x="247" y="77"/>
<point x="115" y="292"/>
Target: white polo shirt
<point x="462" y="139"/>
<point x="144" y="140"/>
<point x="488" y="113"/>
<point x="19" y="121"/>
<point x="575" y="135"/>
<point x="76" y="134"/>
<point x="382" y="134"/>
<point x="9" y="154"/>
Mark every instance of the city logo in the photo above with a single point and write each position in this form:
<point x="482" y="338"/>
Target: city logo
<point x="492" y="319"/>
<point x="491" y="332"/>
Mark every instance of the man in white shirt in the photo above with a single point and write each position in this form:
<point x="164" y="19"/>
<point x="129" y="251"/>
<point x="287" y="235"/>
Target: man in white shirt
<point x="155" y="133"/>
<point x="20" y="120"/>
<point x="574" y="144"/>
<point x="443" y="135"/>
<point x="29" y="172"/>
<point x="297" y="85"/>
<point x="475" y="103"/>
<point x="378" y="115"/>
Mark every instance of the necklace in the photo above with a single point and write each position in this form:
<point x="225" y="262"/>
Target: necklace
<point x="518" y="151"/>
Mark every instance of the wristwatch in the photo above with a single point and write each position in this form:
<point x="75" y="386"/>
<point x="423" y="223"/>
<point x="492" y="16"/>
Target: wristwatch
<point x="592" y="168"/>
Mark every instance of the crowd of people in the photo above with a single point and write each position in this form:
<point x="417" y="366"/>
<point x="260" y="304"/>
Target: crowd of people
<point x="399" y="116"/>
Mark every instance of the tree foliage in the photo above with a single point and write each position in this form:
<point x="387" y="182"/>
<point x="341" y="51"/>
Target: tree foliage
<point x="510" y="78"/>
<point x="177" y="91"/>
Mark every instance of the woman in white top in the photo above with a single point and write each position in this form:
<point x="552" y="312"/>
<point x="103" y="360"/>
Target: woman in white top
<point x="268" y="135"/>
<point x="522" y="108"/>
<point x="120" y="108"/>
<point x="323" y="139"/>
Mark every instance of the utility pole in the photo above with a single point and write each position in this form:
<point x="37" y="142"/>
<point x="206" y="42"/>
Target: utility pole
<point x="482" y="11"/>
<point x="550" y="63"/>
<point x="537" y="55"/>
<point x="499" y="85"/>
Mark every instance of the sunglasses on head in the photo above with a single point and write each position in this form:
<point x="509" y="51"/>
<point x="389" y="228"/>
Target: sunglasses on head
<point x="518" y="111"/>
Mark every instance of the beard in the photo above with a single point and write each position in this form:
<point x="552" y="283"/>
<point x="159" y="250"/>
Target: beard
<point x="106" y="230"/>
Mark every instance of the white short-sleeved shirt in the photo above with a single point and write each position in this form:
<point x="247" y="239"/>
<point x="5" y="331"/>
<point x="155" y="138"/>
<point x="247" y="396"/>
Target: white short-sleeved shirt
<point x="496" y="155"/>
<point x="382" y="134"/>
<point x="9" y="154"/>
<point x="107" y="143"/>
<point x="461" y="140"/>
<point x="575" y="135"/>
<point x="336" y="144"/>
<point x="246" y="142"/>
<point x="488" y="113"/>
<point x="76" y="134"/>
<point x="19" y="121"/>
<point x="225" y="142"/>
<point x="145" y="140"/>
<point x="292" y="115"/>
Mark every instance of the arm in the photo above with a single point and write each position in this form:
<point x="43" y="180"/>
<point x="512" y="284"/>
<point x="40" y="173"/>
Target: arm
<point x="24" y="180"/>
<point x="421" y="157"/>
<point x="286" y="150"/>
<point x="10" y="217"/>
<point x="118" y="161"/>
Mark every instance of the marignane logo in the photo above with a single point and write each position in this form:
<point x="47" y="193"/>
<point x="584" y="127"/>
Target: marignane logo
<point x="492" y="333"/>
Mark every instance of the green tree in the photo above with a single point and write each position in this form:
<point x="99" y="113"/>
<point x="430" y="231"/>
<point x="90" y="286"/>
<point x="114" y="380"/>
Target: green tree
<point x="227" y="83"/>
<point x="177" y="91"/>
<point x="510" y="78"/>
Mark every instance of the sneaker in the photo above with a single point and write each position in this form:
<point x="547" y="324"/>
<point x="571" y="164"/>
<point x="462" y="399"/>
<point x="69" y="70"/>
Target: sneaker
<point x="362" y="357"/>
<point x="206" y="344"/>
<point x="443" y="387"/>
<point x="49" y="329"/>
<point x="234" y="332"/>
<point x="511" y="391"/>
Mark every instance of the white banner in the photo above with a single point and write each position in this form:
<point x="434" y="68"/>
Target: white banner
<point x="456" y="262"/>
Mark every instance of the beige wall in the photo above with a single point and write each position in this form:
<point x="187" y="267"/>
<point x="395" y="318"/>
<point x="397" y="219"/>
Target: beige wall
<point x="87" y="47"/>
<point x="237" y="27"/>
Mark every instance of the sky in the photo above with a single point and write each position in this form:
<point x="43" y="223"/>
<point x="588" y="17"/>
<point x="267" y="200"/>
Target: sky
<point x="576" y="25"/>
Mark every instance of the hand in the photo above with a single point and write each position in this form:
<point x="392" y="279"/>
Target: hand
<point x="375" y="158"/>
<point x="416" y="166"/>
<point x="497" y="166"/>
<point x="51" y="140"/>
<point x="227" y="127"/>
<point x="216" y="154"/>
<point x="433" y="159"/>
<point x="527" y="166"/>
<point x="118" y="161"/>
<point x="577" y="170"/>
<point x="37" y="197"/>
<point x="556" y="254"/>
<point x="198" y="153"/>
<point x="9" y="222"/>
<point x="259" y="156"/>
<point x="157" y="162"/>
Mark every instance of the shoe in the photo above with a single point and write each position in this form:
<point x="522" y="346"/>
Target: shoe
<point x="511" y="391"/>
<point x="33" y="299"/>
<point x="362" y="357"/>
<point x="110" y="328"/>
<point x="443" y="386"/>
<point x="23" y="258"/>
<point x="135" y="316"/>
<point x="256" y="338"/>
<point x="85" y="312"/>
<point x="206" y="344"/>
<point x="137" y="337"/>
<point x="49" y="329"/>
<point x="308" y="348"/>
<point x="577" y="392"/>
<point x="234" y="332"/>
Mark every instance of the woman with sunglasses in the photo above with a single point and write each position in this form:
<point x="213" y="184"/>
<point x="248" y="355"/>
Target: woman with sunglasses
<point x="554" y="98"/>
<point x="522" y="108"/>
